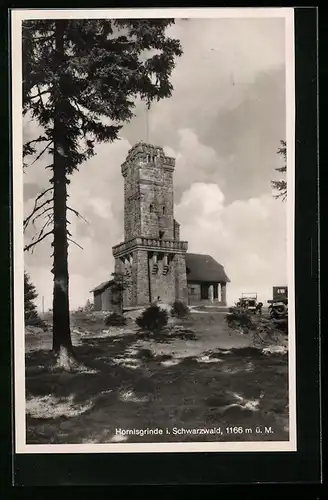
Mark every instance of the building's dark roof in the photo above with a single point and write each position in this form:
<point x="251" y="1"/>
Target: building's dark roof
<point x="199" y="268"/>
<point x="102" y="286"/>
<point x="204" y="268"/>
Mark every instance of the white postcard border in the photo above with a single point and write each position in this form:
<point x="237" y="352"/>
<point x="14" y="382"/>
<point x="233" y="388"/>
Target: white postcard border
<point x="18" y="239"/>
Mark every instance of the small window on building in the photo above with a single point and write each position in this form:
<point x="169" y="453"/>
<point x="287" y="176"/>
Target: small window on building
<point x="163" y="210"/>
<point x="192" y="291"/>
<point x="161" y="234"/>
<point x="151" y="208"/>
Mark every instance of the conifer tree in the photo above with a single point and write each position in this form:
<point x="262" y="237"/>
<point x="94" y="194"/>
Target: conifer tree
<point x="281" y="185"/>
<point x="81" y="79"/>
<point x="30" y="294"/>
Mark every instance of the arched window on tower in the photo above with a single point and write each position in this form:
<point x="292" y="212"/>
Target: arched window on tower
<point x="151" y="208"/>
<point x="163" y="210"/>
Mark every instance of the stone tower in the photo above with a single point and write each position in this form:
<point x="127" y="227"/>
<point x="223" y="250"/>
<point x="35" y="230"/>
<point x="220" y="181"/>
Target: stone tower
<point x="152" y="257"/>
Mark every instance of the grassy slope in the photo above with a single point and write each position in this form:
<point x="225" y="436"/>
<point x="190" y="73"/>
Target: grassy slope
<point x="219" y="380"/>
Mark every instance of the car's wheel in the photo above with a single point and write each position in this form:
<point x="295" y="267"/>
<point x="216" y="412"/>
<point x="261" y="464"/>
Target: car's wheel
<point x="280" y="310"/>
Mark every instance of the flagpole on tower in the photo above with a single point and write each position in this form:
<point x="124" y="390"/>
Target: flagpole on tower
<point x="147" y="121"/>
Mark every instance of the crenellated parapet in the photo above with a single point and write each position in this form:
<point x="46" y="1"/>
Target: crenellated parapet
<point x="150" y="244"/>
<point x="142" y="154"/>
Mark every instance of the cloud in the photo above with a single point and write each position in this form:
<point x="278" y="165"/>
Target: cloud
<point x="230" y="94"/>
<point x="248" y="237"/>
<point x="194" y="162"/>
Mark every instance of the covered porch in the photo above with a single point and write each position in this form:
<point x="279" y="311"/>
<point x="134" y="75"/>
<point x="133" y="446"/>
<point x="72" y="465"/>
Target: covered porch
<point x="207" y="293"/>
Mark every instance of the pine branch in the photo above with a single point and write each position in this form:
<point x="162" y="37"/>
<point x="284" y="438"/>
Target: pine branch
<point x="281" y="169"/>
<point x="281" y="187"/>
<point x="283" y="196"/>
<point x="28" y="150"/>
<point x="42" y="38"/>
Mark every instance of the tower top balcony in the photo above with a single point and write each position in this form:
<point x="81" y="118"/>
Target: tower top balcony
<point x="150" y="244"/>
<point x="143" y="153"/>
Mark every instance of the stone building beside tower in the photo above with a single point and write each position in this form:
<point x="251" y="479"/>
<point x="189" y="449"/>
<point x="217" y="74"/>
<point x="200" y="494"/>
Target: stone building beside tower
<point x="152" y="258"/>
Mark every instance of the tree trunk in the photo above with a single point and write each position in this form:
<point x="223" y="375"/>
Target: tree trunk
<point x="62" y="343"/>
<point x="61" y="319"/>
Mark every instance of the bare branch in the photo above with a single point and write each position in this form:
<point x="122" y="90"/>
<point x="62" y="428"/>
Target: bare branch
<point x="31" y="245"/>
<point x="72" y="241"/>
<point x="47" y="223"/>
<point x="41" y="214"/>
<point x="40" y="97"/>
<point x="43" y="193"/>
<point x="36" y="208"/>
<point x="77" y="214"/>
<point x="43" y="151"/>
<point x="39" y="94"/>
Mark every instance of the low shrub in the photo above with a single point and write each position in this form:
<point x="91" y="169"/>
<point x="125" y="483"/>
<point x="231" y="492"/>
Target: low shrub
<point x="264" y="330"/>
<point x="153" y="319"/>
<point x="180" y="309"/>
<point x="33" y="319"/>
<point x="281" y="325"/>
<point x="239" y="318"/>
<point x="115" y="319"/>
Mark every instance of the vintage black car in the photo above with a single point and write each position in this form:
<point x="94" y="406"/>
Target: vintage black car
<point x="249" y="301"/>
<point x="278" y="308"/>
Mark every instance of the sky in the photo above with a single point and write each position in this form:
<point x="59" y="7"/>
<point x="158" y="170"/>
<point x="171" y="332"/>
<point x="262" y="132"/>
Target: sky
<point x="223" y="124"/>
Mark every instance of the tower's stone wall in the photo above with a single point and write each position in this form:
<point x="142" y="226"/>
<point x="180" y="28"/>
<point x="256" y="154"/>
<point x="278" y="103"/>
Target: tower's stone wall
<point x="148" y="193"/>
<point x="132" y="216"/>
<point x="176" y="230"/>
<point x="162" y="285"/>
<point x="141" y="283"/>
<point x="149" y="213"/>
